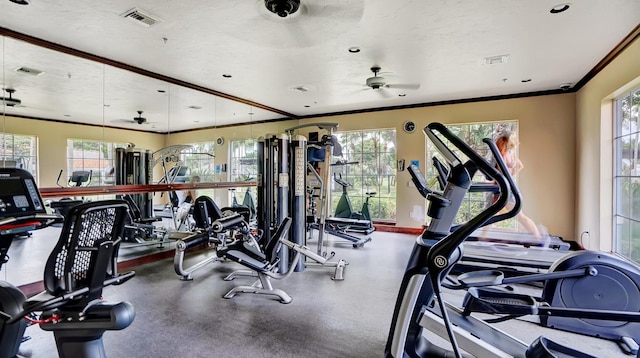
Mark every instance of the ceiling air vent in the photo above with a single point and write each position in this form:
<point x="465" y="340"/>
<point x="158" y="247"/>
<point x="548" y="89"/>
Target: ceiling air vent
<point x="29" y="71"/>
<point x="494" y="60"/>
<point x="140" y="17"/>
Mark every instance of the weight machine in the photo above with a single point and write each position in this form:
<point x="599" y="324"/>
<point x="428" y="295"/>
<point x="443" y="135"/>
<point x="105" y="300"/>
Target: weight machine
<point x="281" y="180"/>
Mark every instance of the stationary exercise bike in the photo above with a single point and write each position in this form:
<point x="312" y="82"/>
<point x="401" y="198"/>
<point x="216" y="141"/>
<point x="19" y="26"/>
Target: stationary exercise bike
<point x="78" y="178"/>
<point x="80" y="265"/>
<point x="344" y="209"/>
<point x="586" y="292"/>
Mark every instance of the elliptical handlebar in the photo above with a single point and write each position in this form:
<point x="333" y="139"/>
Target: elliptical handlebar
<point x="512" y="185"/>
<point x="445" y="247"/>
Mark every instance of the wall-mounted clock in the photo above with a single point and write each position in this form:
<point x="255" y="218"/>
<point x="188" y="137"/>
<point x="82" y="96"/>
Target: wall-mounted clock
<point x="219" y="141"/>
<point x="409" y="126"/>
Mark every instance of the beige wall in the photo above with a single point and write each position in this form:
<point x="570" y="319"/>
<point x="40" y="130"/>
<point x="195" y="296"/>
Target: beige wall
<point x="594" y="128"/>
<point x="547" y="150"/>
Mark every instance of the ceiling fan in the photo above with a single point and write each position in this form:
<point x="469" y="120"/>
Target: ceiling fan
<point x="139" y="119"/>
<point x="10" y="101"/>
<point x="379" y="83"/>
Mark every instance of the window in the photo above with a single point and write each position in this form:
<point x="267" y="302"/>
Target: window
<point x="472" y="134"/>
<point x="626" y="176"/>
<point x="201" y="161"/>
<point x="94" y="156"/>
<point x="375" y="152"/>
<point x="243" y="166"/>
<point x="19" y="151"/>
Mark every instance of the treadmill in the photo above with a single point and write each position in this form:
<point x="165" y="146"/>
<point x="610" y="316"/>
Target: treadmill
<point x="513" y="258"/>
<point x="496" y="235"/>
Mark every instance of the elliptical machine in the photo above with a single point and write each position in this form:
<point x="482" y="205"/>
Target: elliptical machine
<point x="581" y="294"/>
<point x="80" y="265"/>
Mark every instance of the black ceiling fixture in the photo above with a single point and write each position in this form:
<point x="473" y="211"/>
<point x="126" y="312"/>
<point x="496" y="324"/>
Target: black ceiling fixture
<point x="20" y="2"/>
<point x="10" y="101"/>
<point x="139" y="119"/>
<point x="282" y="8"/>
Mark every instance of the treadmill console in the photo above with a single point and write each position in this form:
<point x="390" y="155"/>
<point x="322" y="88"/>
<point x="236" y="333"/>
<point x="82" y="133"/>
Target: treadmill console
<point x="19" y="195"/>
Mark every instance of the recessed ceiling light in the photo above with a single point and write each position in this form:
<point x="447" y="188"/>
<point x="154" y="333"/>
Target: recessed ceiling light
<point x="560" y="8"/>
<point x="306" y="106"/>
<point x="67" y="115"/>
<point x="251" y="113"/>
<point x="195" y="107"/>
<point x="196" y="121"/>
<point x="226" y="75"/>
<point x="402" y="95"/>
<point x="20" y="2"/>
<point x="526" y="80"/>
<point x="354" y="49"/>
<point x="161" y="91"/>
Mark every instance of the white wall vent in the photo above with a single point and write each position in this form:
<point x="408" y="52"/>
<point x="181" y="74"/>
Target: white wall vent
<point x="29" y="71"/>
<point x="140" y="17"/>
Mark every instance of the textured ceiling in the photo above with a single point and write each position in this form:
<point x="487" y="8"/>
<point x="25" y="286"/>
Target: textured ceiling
<point x="299" y="65"/>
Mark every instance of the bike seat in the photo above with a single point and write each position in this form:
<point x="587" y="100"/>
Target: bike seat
<point x="370" y="193"/>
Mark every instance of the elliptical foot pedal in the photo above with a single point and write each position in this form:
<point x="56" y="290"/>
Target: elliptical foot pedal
<point x="543" y="347"/>
<point x="498" y="302"/>
<point x="481" y="278"/>
<point x="629" y="346"/>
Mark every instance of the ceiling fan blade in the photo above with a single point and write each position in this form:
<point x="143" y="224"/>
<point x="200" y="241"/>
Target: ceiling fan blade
<point x="409" y="86"/>
<point x="384" y="93"/>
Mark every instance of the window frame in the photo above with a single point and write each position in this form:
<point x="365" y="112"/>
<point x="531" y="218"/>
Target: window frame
<point x="362" y="182"/>
<point x="34" y="168"/>
<point x="626" y="175"/>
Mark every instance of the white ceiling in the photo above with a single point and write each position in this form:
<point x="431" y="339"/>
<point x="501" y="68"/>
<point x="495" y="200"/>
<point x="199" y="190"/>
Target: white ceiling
<point x="438" y="44"/>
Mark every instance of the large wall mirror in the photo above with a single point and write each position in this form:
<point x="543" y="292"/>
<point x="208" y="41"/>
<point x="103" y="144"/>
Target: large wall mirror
<point x="61" y="112"/>
<point x="108" y="103"/>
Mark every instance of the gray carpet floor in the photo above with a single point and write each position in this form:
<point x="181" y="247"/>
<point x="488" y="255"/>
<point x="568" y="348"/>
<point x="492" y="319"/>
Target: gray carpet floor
<point x="327" y="318"/>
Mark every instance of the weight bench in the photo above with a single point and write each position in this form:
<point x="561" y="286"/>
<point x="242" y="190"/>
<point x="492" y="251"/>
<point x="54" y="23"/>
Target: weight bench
<point x="265" y="268"/>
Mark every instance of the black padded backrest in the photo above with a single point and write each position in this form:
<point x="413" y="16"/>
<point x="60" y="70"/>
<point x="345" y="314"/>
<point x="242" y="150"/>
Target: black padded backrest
<point x="274" y="245"/>
<point x="85" y="253"/>
<point x="213" y="211"/>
